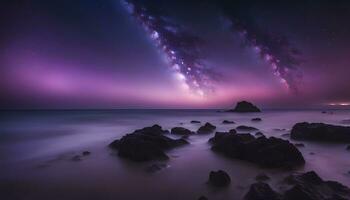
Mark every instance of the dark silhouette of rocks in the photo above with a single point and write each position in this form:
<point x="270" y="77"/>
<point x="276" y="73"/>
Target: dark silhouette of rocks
<point x="207" y="128"/>
<point x="262" y="177"/>
<point x="310" y="186"/>
<point x="245" y="106"/>
<point x="146" y="144"/>
<point x="267" y="152"/>
<point x="219" y="178"/>
<point x="195" y="122"/>
<point x="86" y="153"/>
<point x="299" y="145"/>
<point x="259" y="134"/>
<point x="262" y="191"/>
<point x="181" y="131"/>
<point x="246" y="128"/>
<point x="348" y="147"/>
<point x="228" y="122"/>
<point x="320" y="132"/>
<point x="257" y="119"/>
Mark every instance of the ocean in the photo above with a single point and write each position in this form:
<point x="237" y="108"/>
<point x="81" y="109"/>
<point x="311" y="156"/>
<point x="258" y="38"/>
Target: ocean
<point x="37" y="150"/>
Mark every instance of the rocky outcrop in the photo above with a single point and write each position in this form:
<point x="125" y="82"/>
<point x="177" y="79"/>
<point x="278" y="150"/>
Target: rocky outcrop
<point x="207" y="128"/>
<point x="246" y="128"/>
<point x="257" y="119"/>
<point x="145" y="144"/>
<point x="195" y="122"/>
<point x="219" y="178"/>
<point x="310" y="186"/>
<point x="228" y="122"/>
<point x="262" y="191"/>
<point x="181" y="131"/>
<point x="320" y="132"/>
<point x="267" y="152"/>
<point x="245" y="106"/>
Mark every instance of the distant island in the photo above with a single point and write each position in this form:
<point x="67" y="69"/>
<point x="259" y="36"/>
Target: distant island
<point x="244" y="106"/>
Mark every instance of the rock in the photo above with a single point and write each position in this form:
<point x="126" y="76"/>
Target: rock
<point x="145" y="144"/>
<point x="320" y="132"/>
<point x="267" y="152"/>
<point x="348" y="147"/>
<point x="262" y="191"/>
<point x="286" y="135"/>
<point x="156" y="167"/>
<point x="219" y="178"/>
<point x="245" y="106"/>
<point x="207" y="128"/>
<point x="195" y="122"/>
<point x="262" y="177"/>
<point x="202" y="198"/>
<point x="233" y="131"/>
<point x="299" y="145"/>
<point x="256" y="119"/>
<point x="86" y="153"/>
<point x="310" y="186"/>
<point x="181" y="131"/>
<point x="259" y="134"/>
<point x="246" y="128"/>
<point x="279" y="129"/>
<point x="228" y="122"/>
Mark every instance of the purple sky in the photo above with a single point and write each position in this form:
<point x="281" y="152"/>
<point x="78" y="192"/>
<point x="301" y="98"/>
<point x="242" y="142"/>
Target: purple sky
<point x="97" y="54"/>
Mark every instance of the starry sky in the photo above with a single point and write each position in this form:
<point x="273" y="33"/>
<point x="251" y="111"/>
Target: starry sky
<point x="174" y="54"/>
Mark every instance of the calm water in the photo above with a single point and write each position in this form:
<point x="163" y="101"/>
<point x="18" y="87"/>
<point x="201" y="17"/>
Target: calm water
<point x="36" y="150"/>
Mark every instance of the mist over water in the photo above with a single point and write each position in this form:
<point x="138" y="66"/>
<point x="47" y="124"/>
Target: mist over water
<point x="37" y="150"/>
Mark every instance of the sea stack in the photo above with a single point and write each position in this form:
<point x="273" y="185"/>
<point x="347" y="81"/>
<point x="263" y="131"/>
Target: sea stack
<point x="245" y="106"/>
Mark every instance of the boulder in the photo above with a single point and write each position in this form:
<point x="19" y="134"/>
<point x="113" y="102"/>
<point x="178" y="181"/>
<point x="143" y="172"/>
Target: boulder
<point x="310" y="186"/>
<point x="206" y="128"/>
<point x="181" y="131"/>
<point x="219" y="178"/>
<point x="86" y="153"/>
<point x="246" y="128"/>
<point x="195" y="122"/>
<point x="245" y="106"/>
<point x="320" y="132"/>
<point x="267" y="152"/>
<point x="145" y="144"/>
<point x="262" y="191"/>
<point x="256" y="119"/>
<point x="228" y="122"/>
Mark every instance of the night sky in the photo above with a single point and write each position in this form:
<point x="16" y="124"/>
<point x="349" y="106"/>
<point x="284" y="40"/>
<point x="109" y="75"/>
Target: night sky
<point x="174" y="54"/>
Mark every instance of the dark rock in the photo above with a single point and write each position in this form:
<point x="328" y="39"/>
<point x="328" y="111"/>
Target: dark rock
<point x="299" y="145"/>
<point x="228" y="122"/>
<point x="181" y="131"/>
<point x="245" y="106"/>
<point x="310" y="186"/>
<point x="202" y="198"/>
<point x="259" y="134"/>
<point x="348" y="147"/>
<point x="145" y="144"/>
<point x="279" y="129"/>
<point x="195" y="122"/>
<point x="207" y="128"/>
<point x="320" y="132"/>
<point x="262" y="191"/>
<point x="246" y="128"/>
<point x="256" y="119"/>
<point x="262" y="177"/>
<point x="219" y="178"/>
<point x="233" y="131"/>
<point x="86" y="153"/>
<point x="267" y="152"/>
<point x="156" y="167"/>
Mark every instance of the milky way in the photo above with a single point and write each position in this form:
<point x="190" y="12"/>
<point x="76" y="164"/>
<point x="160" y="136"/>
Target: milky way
<point x="275" y="49"/>
<point x="181" y="48"/>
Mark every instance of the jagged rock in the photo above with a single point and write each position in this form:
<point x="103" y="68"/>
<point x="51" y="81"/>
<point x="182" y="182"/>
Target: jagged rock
<point x="207" y="128"/>
<point x="245" y="106"/>
<point x="228" y="122"/>
<point x="262" y="191"/>
<point x="267" y="152"/>
<point x="145" y="144"/>
<point x="320" y="132"/>
<point x="219" y="178"/>
<point x="246" y="128"/>
<point x="195" y="122"/>
<point x="181" y="131"/>
<point x="256" y="119"/>
<point x="310" y="186"/>
<point x="262" y="177"/>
